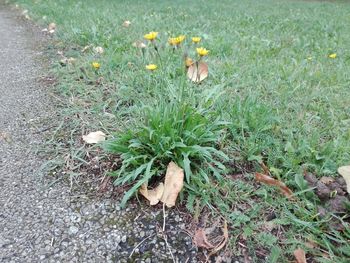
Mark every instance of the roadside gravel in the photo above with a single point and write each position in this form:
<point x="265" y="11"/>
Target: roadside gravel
<point x="51" y="224"/>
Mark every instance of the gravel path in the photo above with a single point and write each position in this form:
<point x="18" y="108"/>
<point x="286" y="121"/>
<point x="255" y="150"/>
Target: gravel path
<point x="39" y="224"/>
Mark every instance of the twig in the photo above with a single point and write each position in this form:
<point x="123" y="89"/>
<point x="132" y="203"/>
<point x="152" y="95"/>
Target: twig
<point x="164" y="216"/>
<point x="139" y="244"/>
<point x="45" y="129"/>
<point x="165" y="236"/>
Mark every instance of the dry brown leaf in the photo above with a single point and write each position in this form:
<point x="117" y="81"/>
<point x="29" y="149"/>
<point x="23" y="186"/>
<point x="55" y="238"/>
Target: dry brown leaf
<point x="197" y="72"/>
<point x="200" y="239"/>
<point x="99" y="50"/>
<point x="126" y="23"/>
<point x="345" y="172"/>
<point x="263" y="178"/>
<point x="223" y="243"/>
<point x="173" y="183"/>
<point x="52" y="26"/>
<point x="300" y="256"/>
<point x="311" y="244"/>
<point x="326" y="180"/>
<point x="66" y="61"/>
<point x="94" y="137"/>
<point x="139" y="44"/>
<point x="154" y="195"/>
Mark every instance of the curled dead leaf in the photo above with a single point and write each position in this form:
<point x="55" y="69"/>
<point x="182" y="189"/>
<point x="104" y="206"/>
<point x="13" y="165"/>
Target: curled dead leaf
<point x="344" y="171"/>
<point x="173" y="183"/>
<point x="154" y="195"/>
<point x="263" y="178"/>
<point x="326" y="180"/>
<point x="94" y="137"/>
<point x="99" y="50"/>
<point x="200" y="239"/>
<point x="223" y="242"/>
<point x="126" y="23"/>
<point x="300" y="256"/>
<point x="67" y="61"/>
<point x="52" y="26"/>
<point x="139" y="44"/>
<point x="198" y="71"/>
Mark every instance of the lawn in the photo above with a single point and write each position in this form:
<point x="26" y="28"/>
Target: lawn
<point x="277" y="93"/>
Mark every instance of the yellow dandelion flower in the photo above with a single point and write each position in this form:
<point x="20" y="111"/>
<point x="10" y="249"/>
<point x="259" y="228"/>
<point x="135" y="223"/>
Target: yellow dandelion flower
<point x="96" y="65"/>
<point x="181" y="38"/>
<point x="151" y="36"/>
<point x="196" y="39"/>
<point x="174" y="41"/>
<point x="188" y="62"/>
<point x="151" y="67"/>
<point x="334" y="55"/>
<point x="202" y="51"/>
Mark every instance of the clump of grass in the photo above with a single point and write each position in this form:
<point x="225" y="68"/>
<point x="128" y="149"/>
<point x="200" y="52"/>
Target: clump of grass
<point x="175" y="132"/>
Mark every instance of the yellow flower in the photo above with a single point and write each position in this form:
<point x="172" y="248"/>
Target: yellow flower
<point x="334" y="55"/>
<point x="174" y="41"/>
<point x="151" y="36"/>
<point x="181" y="38"/>
<point x="96" y="65"/>
<point x="188" y="62"/>
<point x="196" y="39"/>
<point x="151" y="67"/>
<point x="202" y="51"/>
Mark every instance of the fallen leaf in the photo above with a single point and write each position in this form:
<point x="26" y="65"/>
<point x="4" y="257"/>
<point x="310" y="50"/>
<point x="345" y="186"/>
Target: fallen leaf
<point x="197" y="72"/>
<point x="154" y="195"/>
<point x="52" y="26"/>
<point x="263" y="178"/>
<point x="173" y="183"/>
<point x="200" y="239"/>
<point x="126" y="23"/>
<point x="311" y="244"/>
<point x="139" y="44"/>
<point x="345" y="172"/>
<point x="299" y="255"/>
<point x="104" y="185"/>
<point x="99" y="50"/>
<point x="326" y="180"/>
<point x="67" y="61"/>
<point x="94" y="137"/>
<point x="223" y="243"/>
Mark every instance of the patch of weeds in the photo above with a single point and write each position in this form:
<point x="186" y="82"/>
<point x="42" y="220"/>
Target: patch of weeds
<point x="171" y="132"/>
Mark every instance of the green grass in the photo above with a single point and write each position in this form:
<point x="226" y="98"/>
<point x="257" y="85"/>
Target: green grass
<point x="283" y="101"/>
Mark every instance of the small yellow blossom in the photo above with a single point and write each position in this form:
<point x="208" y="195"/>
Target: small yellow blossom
<point x="151" y="67"/>
<point x="151" y="36"/>
<point x="96" y="65"/>
<point x="181" y="38"/>
<point x="334" y="55"/>
<point x="196" y="39"/>
<point x="188" y="62"/>
<point x="309" y="58"/>
<point x="202" y="51"/>
<point x="174" y="41"/>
